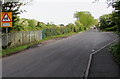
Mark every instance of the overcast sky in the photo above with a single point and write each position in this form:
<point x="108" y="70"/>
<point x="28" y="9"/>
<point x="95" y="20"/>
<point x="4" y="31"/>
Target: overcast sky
<point x="62" y="11"/>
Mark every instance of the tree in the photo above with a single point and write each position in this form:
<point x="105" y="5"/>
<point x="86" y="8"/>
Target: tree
<point x="41" y="25"/>
<point x="14" y="7"/>
<point x="80" y="25"/>
<point x="85" y="18"/>
<point x="116" y="14"/>
<point x="32" y="22"/>
<point x="62" y="25"/>
<point x="51" y="24"/>
<point x="107" y="23"/>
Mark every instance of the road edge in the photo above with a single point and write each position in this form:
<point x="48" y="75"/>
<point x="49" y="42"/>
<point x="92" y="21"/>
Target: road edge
<point x="91" y="56"/>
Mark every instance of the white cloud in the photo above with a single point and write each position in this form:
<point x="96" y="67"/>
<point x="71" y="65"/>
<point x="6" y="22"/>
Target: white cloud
<point x="63" y="12"/>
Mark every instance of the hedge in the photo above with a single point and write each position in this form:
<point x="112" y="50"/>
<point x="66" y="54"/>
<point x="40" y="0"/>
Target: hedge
<point x="59" y="31"/>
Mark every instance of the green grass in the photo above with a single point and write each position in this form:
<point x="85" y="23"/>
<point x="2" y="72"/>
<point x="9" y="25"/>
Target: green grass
<point x="58" y="36"/>
<point x="115" y="49"/>
<point x="10" y="51"/>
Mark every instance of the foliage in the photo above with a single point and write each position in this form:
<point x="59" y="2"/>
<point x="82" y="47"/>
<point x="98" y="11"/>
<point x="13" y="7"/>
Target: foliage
<point x="80" y="25"/>
<point x="32" y="22"/>
<point x="10" y="51"/>
<point x="116" y="14"/>
<point x="106" y="22"/>
<point x="14" y="8"/>
<point x="111" y="22"/>
<point x="53" y="31"/>
<point x="111" y="28"/>
<point x="41" y="25"/>
<point x="85" y="18"/>
<point x="62" y="25"/>
<point x="51" y="24"/>
<point x="116" y="51"/>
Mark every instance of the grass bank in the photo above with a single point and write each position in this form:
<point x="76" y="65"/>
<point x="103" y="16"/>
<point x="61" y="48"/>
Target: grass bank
<point x="115" y="49"/>
<point x="14" y="50"/>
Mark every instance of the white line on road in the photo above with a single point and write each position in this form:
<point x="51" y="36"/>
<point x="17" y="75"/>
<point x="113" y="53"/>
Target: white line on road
<point x="91" y="55"/>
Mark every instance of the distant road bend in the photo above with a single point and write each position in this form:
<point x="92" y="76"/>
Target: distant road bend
<point x="64" y="58"/>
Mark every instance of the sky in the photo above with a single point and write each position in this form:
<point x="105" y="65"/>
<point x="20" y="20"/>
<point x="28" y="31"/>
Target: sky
<point x="62" y="11"/>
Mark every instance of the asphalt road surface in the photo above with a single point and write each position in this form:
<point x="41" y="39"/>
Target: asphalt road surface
<point x="63" y="58"/>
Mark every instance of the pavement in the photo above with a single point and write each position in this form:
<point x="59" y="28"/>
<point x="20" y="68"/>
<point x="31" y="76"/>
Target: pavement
<point x="63" y="58"/>
<point x="103" y="65"/>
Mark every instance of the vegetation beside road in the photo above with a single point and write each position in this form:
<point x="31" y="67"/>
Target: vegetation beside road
<point x="49" y="30"/>
<point x="111" y="22"/>
<point x="84" y="20"/>
<point x="116" y="52"/>
<point x="10" y="51"/>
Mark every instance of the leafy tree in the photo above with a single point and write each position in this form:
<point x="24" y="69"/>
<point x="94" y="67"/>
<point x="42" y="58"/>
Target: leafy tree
<point x="116" y="14"/>
<point x="85" y="18"/>
<point x="80" y="25"/>
<point x="62" y="25"/>
<point x="107" y="22"/>
<point x="51" y="24"/>
<point x="71" y="26"/>
<point x="32" y="23"/>
<point x="14" y="7"/>
<point x="111" y="20"/>
<point x="41" y="25"/>
<point x="96" y="21"/>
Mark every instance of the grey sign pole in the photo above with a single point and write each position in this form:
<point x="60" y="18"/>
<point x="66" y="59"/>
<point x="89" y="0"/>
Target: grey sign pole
<point x="0" y="41"/>
<point x="6" y="29"/>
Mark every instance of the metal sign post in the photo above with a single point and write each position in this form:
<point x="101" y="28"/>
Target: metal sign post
<point x="6" y="19"/>
<point x="6" y="29"/>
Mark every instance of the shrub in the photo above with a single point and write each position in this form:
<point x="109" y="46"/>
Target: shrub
<point x="116" y="51"/>
<point x="53" y="31"/>
<point x="114" y="28"/>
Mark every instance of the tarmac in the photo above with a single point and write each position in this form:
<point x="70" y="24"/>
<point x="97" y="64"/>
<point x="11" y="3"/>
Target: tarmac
<point x="103" y="65"/>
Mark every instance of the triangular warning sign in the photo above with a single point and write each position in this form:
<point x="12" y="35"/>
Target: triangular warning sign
<point x="6" y="18"/>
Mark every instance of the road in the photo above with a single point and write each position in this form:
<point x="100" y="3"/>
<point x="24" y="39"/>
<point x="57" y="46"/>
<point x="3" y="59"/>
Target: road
<point x="63" y="58"/>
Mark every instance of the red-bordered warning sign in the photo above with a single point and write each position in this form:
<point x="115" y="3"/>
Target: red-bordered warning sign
<point x="6" y="19"/>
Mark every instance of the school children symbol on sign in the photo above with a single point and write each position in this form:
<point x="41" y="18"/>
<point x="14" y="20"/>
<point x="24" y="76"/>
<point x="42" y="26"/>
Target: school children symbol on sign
<point x="6" y="19"/>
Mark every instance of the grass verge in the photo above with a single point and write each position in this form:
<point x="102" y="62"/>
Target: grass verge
<point x="115" y="49"/>
<point x="58" y="36"/>
<point x="14" y="50"/>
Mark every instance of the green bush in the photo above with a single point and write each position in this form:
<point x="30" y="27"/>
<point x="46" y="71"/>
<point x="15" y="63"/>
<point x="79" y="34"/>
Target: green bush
<point x="53" y="31"/>
<point x="116" y="51"/>
<point x="114" y="28"/>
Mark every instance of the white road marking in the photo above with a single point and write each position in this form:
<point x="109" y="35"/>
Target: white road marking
<point x="91" y="55"/>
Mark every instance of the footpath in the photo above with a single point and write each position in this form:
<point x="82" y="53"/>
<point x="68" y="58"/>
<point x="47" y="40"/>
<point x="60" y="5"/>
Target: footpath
<point x="103" y="65"/>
